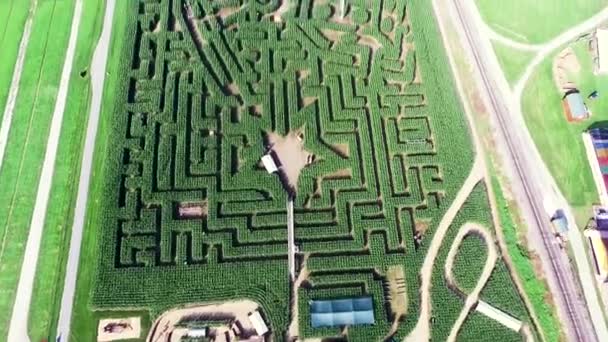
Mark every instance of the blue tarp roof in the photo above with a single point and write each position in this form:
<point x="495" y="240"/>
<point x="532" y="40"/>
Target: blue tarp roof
<point x="578" y="110"/>
<point x="339" y="312"/>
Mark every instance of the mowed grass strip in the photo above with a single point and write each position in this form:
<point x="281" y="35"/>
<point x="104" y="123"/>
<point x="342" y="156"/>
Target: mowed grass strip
<point x="27" y="141"/>
<point x="536" y="21"/>
<point x="84" y="320"/>
<point x="13" y="15"/>
<point x="50" y="274"/>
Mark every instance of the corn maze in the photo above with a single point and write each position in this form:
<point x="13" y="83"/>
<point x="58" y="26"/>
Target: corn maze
<point x="190" y="214"/>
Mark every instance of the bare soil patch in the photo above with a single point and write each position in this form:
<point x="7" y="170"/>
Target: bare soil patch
<point x="565" y="64"/>
<point x="114" y="329"/>
<point x="291" y="155"/>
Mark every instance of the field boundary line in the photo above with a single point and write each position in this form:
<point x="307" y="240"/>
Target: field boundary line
<point x="18" y="330"/>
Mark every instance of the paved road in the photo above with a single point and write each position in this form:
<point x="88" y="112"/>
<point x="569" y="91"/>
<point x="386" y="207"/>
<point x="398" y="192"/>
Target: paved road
<point x="19" y="319"/>
<point x="9" y="109"/>
<point x="531" y="179"/>
<point x="98" y="75"/>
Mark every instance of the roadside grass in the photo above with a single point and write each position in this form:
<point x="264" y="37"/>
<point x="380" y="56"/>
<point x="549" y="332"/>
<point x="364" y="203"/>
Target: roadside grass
<point x="536" y="21"/>
<point x="13" y="15"/>
<point x="559" y="141"/>
<point x="46" y="298"/>
<point x="535" y="288"/>
<point x="512" y="61"/>
<point x="27" y="141"/>
<point x="84" y="320"/>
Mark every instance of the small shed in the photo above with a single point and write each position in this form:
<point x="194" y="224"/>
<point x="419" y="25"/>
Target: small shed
<point x="258" y="323"/>
<point x="574" y="106"/>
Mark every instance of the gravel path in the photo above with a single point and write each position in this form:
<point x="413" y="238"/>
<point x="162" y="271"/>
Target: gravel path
<point x="18" y="326"/>
<point x="9" y="109"/>
<point x="422" y="330"/>
<point x="98" y="74"/>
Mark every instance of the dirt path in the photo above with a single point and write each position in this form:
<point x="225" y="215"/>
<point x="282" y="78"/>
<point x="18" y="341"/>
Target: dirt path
<point x="11" y="100"/>
<point x="491" y="259"/>
<point x="421" y="331"/>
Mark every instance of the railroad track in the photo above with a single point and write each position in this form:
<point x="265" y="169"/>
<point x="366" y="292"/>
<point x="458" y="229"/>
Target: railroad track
<point x="567" y="288"/>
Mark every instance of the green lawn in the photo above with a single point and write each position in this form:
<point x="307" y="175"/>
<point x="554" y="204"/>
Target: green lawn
<point x="536" y="21"/>
<point x="559" y="141"/>
<point x="27" y="140"/>
<point x="84" y="322"/>
<point x="13" y="14"/>
<point x="513" y="62"/>
<point x="53" y="252"/>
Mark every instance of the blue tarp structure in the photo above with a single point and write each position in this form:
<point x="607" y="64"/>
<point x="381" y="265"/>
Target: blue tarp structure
<point x="339" y="312"/>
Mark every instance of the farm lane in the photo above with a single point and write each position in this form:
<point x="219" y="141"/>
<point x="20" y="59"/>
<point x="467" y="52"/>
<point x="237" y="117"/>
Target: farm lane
<point x="535" y="180"/>
<point x="473" y="297"/>
<point x="421" y="331"/>
<point x="508" y="41"/>
<point x="98" y="74"/>
<point x="11" y="100"/>
<point x="18" y="329"/>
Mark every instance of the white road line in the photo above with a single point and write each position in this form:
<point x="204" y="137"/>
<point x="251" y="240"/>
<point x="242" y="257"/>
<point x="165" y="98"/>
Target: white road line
<point x="19" y="319"/>
<point x="98" y="74"/>
<point x="9" y="108"/>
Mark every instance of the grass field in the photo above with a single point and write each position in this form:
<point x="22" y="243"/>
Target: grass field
<point x="27" y="140"/>
<point x="536" y="21"/>
<point x="513" y="62"/>
<point x="53" y="252"/>
<point x="559" y="141"/>
<point x="13" y="14"/>
<point x="146" y="172"/>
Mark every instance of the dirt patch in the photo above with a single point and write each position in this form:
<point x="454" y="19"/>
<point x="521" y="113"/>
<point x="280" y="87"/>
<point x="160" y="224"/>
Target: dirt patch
<point x="333" y="36"/>
<point x="233" y="89"/>
<point x="114" y="329"/>
<point x="192" y="210"/>
<point x="397" y="291"/>
<point x="290" y="156"/>
<point x="370" y="42"/>
<point x="565" y="65"/>
<point x="277" y="15"/>
<point x="308" y="100"/>
<point x="343" y="150"/>
<point x="227" y="11"/>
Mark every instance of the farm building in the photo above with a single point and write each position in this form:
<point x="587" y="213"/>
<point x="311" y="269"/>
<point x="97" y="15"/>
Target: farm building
<point x="601" y="58"/>
<point x="574" y="106"/>
<point x="596" y="146"/>
<point x="341" y="312"/>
